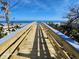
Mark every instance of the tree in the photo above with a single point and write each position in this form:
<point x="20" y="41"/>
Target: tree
<point x="5" y="8"/>
<point x="73" y="14"/>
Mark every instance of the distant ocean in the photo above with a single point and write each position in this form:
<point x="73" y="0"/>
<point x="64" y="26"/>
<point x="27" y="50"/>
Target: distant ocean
<point x="17" y="21"/>
<point x="29" y="21"/>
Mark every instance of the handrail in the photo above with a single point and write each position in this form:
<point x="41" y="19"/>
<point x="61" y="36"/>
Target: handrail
<point x="8" y="47"/>
<point x="68" y="44"/>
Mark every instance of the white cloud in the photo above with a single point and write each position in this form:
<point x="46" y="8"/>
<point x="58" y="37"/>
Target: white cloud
<point x="42" y="5"/>
<point x="66" y="0"/>
<point x="26" y="1"/>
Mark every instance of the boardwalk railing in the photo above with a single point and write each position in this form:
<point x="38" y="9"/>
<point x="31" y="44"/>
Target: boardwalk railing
<point x="64" y="46"/>
<point x="8" y="47"/>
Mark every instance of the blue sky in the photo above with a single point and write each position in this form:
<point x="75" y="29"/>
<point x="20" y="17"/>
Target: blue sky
<point x="40" y="9"/>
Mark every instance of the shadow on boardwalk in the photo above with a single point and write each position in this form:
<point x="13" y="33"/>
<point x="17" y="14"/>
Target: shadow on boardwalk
<point x="44" y="53"/>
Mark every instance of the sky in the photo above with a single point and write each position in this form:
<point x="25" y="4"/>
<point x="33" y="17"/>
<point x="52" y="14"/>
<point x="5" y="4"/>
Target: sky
<point x="53" y="10"/>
